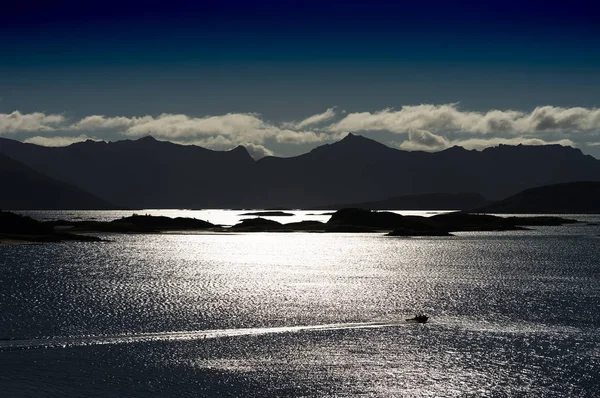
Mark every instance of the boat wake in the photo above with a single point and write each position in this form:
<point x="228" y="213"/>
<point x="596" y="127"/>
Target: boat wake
<point x="77" y="341"/>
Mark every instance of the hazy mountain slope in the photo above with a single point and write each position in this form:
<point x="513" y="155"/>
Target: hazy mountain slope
<point x="432" y="201"/>
<point x="573" y="197"/>
<point x="24" y="188"/>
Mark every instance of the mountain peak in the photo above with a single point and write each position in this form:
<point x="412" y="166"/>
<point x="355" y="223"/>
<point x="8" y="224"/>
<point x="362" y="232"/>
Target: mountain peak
<point x="354" y="145"/>
<point x="89" y="143"/>
<point x="353" y="137"/>
<point x="359" y="142"/>
<point x="455" y="149"/>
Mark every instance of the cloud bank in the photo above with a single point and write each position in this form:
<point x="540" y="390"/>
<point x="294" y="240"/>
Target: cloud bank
<point x="437" y="127"/>
<point x="450" y="118"/>
<point x="15" y="122"/>
<point x="232" y="127"/>
<point x="426" y="127"/>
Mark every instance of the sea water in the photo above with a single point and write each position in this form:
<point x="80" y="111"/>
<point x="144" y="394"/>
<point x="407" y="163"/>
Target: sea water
<point x="303" y="314"/>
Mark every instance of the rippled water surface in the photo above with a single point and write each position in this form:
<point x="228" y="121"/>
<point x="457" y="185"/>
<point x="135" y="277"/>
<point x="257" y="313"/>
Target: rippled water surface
<point x="512" y="314"/>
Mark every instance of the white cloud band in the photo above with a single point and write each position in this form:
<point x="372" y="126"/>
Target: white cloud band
<point x="426" y="127"/>
<point x="450" y="118"/>
<point x="16" y="121"/>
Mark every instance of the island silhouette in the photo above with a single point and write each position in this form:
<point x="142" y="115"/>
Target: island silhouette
<point x="16" y="227"/>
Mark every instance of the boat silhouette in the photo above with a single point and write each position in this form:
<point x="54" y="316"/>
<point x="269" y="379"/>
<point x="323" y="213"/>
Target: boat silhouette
<point x="418" y="319"/>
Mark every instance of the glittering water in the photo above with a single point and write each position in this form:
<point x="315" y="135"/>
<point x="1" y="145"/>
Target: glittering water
<point x="512" y="314"/>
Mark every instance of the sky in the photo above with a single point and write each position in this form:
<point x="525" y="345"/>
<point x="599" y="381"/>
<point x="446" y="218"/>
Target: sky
<point x="284" y="77"/>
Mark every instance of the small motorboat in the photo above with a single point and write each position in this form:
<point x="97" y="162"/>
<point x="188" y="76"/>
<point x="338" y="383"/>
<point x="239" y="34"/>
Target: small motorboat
<point x="418" y="319"/>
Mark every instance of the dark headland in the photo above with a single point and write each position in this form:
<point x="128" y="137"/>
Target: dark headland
<point x="18" y="228"/>
<point x="581" y="197"/>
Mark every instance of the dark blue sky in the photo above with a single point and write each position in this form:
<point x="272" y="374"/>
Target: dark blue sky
<point x="288" y="60"/>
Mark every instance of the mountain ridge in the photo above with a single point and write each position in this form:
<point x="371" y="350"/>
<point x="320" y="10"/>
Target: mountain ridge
<point x="148" y="173"/>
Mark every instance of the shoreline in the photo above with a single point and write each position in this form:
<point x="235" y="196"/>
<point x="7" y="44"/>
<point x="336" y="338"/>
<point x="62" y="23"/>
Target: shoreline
<point x="15" y="242"/>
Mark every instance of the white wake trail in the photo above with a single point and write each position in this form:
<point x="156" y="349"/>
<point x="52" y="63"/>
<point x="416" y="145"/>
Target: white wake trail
<point x="74" y="341"/>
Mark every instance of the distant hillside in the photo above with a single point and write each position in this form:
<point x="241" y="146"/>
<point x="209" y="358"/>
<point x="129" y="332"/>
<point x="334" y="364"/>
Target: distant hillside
<point x="432" y="201"/>
<point x="147" y="173"/>
<point x="568" y="198"/>
<point x="24" y="188"/>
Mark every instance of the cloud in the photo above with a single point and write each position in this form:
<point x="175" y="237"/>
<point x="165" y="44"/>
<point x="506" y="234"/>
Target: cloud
<point x="99" y="122"/>
<point x="287" y="136"/>
<point x="449" y="118"/>
<point x="16" y="121"/>
<point x="174" y="126"/>
<point x="552" y="118"/>
<point x="224" y="129"/>
<point x="423" y="140"/>
<point x="57" y="141"/>
<point x="409" y="118"/>
<point x="314" y="119"/>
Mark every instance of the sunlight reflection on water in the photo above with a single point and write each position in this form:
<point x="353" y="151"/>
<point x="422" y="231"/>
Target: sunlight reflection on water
<point x="512" y="314"/>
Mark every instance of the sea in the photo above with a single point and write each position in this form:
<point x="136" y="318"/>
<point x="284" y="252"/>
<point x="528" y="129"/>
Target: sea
<point x="512" y="314"/>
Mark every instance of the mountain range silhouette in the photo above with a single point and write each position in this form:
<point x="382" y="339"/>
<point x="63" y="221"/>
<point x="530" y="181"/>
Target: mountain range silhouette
<point x="147" y="173"/>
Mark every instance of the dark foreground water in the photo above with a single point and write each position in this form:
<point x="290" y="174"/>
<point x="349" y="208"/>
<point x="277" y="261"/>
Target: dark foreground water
<point x="512" y="314"/>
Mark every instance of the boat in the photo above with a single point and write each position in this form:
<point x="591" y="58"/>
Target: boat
<point x="418" y="319"/>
